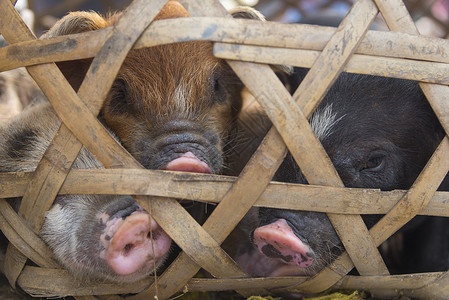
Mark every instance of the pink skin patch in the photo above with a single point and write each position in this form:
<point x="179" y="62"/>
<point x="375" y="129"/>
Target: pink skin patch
<point x="128" y="245"/>
<point x="188" y="162"/>
<point x="131" y="247"/>
<point x="278" y="241"/>
<point x="257" y="264"/>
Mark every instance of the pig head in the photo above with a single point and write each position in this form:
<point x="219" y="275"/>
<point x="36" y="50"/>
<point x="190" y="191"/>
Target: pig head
<point x="379" y="133"/>
<point x="168" y="102"/>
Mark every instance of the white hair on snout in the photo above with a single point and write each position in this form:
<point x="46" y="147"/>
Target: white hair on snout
<point x="181" y="95"/>
<point x="323" y="120"/>
<point x="176" y="103"/>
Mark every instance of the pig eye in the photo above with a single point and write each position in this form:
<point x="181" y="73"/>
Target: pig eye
<point x="375" y="162"/>
<point x="119" y="98"/>
<point x="218" y="90"/>
<point x="217" y="86"/>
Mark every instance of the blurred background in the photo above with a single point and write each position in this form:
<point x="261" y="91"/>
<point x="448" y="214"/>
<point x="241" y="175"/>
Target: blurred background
<point x="431" y="16"/>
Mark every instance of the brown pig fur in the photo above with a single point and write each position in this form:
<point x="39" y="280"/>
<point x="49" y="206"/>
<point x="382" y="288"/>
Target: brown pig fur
<point x="159" y="84"/>
<point x="178" y="91"/>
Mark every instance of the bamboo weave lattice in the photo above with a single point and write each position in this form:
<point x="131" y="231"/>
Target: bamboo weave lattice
<point x="248" y="46"/>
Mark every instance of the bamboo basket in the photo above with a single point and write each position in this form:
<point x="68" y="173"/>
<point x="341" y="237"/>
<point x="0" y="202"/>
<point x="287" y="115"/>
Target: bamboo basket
<point x="248" y="46"/>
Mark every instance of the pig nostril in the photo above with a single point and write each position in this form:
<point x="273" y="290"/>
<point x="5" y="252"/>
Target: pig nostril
<point x="153" y="235"/>
<point x="127" y="249"/>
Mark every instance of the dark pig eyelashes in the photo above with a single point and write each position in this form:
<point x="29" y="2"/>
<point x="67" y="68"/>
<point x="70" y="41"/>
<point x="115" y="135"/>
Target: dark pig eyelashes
<point x="375" y="162"/>
<point x="217" y="88"/>
<point x="119" y="104"/>
<point x="216" y="85"/>
<point x="120" y="88"/>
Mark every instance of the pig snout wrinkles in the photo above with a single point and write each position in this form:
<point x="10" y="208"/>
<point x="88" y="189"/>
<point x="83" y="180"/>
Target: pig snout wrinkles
<point x="187" y="146"/>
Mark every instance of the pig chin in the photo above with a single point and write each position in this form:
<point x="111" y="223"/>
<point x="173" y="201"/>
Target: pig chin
<point x="257" y="264"/>
<point x="277" y="251"/>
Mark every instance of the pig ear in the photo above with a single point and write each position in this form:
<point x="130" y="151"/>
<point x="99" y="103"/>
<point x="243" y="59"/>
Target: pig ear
<point x="76" y="22"/>
<point x="246" y="12"/>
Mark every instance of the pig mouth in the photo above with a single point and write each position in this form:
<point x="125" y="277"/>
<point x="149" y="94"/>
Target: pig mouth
<point x="277" y="252"/>
<point x="257" y="264"/>
<point x="188" y="162"/>
<point x="184" y="152"/>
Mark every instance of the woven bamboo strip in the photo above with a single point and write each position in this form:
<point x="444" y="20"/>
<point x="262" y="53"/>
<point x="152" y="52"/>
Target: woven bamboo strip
<point x="416" y="199"/>
<point x="308" y="95"/>
<point x="111" y="158"/>
<point x="45" y="282"/>
<point x="396" y="16"/>
<point x="290" y="122"/>
<point x="197" y="8"/>
<point x="173" y="279"/>
<point x="14" y="260"/>
<point x="427" y="194"/>
<point x="375" y="43"/>
<point x="71" y="146"/>
<point x="195" y="242"/>
<point x="435" y="96"/>
<point x="58" y="283"/>
<point x="417" y="194"/>
<point x="112" y="154"/>
<point x="242" y="195"/>
<point x="27" y="53"/>
<point x="212" y="188"/>
<point x="23" y="238"/>
<point x="42" y="196"/>
<point x="321" y="75"/>
<point x="14" y="184"/>
<point x="438" y="288"/>
<point x="392" y="67"/>
<point x="247" y="69"/>
<point x="117" y="156"/>
<point x="312" y="287"/>
<point x="394" y="283"/>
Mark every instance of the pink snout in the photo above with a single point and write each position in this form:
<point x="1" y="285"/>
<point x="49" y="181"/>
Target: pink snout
<point x="277" y="240"/>
<point x="138" y="243"/>
<point x="188" y="162"/>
